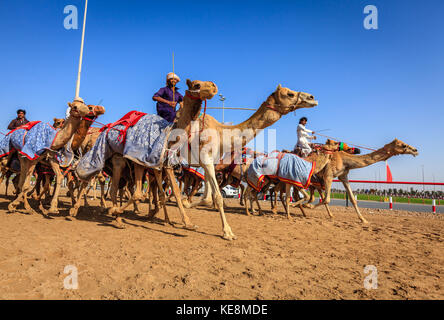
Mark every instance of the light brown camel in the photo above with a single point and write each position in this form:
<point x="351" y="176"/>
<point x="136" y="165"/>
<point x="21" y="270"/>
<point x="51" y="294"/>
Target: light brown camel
<point x="342" y="162"/>
<point x="78" y="110"/>
<point x="76" y="142"/>
<point x="197" y="92"/>
<point x="221" y="138"/>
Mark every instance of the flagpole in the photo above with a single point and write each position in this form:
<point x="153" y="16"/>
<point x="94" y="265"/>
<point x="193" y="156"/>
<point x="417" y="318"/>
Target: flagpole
<point x="81" y="51"/>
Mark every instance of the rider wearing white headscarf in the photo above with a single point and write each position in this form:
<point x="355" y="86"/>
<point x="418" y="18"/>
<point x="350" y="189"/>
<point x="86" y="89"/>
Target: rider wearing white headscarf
<point x="304" y="137"/>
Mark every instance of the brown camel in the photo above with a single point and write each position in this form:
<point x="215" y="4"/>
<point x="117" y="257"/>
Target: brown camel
<point x="342" y="162"/>
<point x="78" y="110"/>
<point x="321" y="157"/>
<point x="220" y="138"/>
<point x="196" y="93"/>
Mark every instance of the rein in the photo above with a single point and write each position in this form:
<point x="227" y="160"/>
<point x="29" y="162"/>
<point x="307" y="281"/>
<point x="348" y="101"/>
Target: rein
<point x="352" y="144"/>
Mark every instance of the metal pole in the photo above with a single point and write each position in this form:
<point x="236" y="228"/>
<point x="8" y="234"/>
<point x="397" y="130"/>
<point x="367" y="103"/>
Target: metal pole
<point x="223" y="111"/>
<point x="423" y="187"/>
<point x="81" y="52"/>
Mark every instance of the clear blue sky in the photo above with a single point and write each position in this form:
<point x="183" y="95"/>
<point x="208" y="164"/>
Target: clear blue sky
<point x="372" y="85"/>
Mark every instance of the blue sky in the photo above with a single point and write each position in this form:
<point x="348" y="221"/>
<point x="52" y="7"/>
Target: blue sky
<point x="372" y="85"/>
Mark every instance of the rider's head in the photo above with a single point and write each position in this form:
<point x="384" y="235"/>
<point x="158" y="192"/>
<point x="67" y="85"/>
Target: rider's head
<point x="303" y="121"/>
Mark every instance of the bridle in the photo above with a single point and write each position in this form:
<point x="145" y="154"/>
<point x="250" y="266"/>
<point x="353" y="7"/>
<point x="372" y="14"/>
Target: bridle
<point x="291" y="107"/>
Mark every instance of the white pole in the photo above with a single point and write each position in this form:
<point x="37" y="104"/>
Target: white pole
<point x="81" y="52"/>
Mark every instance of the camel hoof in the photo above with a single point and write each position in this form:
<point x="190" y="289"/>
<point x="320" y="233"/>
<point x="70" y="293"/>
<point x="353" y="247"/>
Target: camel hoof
<point x="191" y="227"/>
<point x="73" y="212"/>
<point x="53" y="210"/>
<point x="186" y="203"/>
<point x="11" y="208"/>
<point x="229" y="237"/>
<point x="120" y="224"/>
<point x="364" y="221"/>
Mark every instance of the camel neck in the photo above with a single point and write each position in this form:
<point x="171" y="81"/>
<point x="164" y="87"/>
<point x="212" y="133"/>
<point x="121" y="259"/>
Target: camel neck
<point x="80" y="134"/>
<point x="361" y="161"/>
<point x="189" y="112"/>
<point x="66" y="133"/>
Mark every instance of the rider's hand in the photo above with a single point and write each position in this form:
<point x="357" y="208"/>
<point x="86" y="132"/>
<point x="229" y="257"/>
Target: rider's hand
<point x="314" y="137"/>
<point x="172" y="104"/>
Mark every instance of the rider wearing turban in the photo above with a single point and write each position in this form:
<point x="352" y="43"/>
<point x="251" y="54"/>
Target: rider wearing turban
<point x="168" y="97"/>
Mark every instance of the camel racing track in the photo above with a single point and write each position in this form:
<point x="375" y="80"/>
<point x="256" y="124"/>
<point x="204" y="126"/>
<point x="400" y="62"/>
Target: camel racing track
<point x="222" y="159"/>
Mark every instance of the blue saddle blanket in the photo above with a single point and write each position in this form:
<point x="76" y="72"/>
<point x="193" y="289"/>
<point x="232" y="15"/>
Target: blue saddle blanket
<point x="33" y="142"/>
<point x="285" y="167"/>
<point x="144" y="144"/>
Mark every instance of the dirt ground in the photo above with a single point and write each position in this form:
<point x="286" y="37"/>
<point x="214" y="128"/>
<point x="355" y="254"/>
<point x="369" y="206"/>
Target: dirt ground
<point x="273" y="258"/>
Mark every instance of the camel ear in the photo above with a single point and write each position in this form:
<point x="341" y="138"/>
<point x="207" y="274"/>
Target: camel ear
<point x="69" y="104"/>
<point x="278" y="87"/>
<point x="55" y="119"/>
<point x="189" y="83"/>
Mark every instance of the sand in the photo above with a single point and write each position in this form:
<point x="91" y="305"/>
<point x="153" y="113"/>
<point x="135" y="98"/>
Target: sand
<point x="273" y="258"/>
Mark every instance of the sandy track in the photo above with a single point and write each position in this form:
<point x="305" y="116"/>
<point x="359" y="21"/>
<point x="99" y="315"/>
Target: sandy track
<point x="273" y="258"/>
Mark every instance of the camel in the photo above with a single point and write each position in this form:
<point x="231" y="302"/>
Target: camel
<point x="342" y="162"/>
<point x="279" y="103"/>
<point x="197" y="92"/>
<point x="76" y="142"/>
<point x="78" y="110"/>
<point x="321" y="157"/>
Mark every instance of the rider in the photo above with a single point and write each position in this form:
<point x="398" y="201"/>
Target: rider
<point x="166" y="106"/>
<point x="19" y="121"/>
<point x="303" y="137"/>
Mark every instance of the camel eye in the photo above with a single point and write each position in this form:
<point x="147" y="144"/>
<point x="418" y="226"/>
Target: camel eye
<point x="291" y="95"/>
<point x="197" y="86"/>
<point x="404" y="145"/>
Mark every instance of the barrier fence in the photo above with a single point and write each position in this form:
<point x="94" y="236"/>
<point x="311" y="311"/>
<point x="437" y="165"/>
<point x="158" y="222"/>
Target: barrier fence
<point x="393" y="195"/>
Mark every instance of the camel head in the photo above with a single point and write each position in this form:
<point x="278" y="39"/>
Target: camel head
<point x="287" y="100"/>
<point x="398" y="147"/>
<point x="58" y="123"/>
<point x="201" y="89"/>
<point x="79" y="109"/>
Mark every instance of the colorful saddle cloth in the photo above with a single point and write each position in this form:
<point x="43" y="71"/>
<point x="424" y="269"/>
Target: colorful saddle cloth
<point x="285" y="167"/>
<point x="199" y="172"/>
<point x="29" y="143"/>
<point x="31" y="140"/>
<point x="144" y="143"/>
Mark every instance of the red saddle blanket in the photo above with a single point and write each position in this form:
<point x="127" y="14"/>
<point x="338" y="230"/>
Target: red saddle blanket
<point x="128" y="120"/>
<point x="27" y="126"/>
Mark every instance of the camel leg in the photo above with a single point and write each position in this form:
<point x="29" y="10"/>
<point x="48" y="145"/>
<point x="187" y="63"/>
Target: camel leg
<point x="177" y="194"/>
<point x="161" y="193"/>
<point x="136" y="196"/>
<point x="59" y="177"/>
<point x="247" y="192"/>
<point x="196" y="186"/>
<point x="241" y="199"/>
<point x="212" y="183"/>
<point x="26" y="186"/>
<point x="71" y="188"/>
<point x="325" y="204"/>
<point x="118" y="166"/>
<point x="27" y="168"/>
<point x="82" y="189"/>
<point x="350" y="196"/>
<point x="7" y="184"/>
